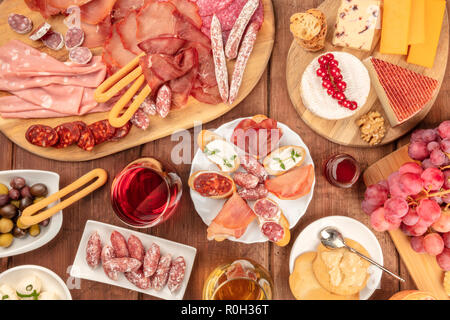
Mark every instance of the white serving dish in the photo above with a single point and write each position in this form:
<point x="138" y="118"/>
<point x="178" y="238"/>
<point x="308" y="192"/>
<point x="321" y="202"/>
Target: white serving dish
<point x="28" y="243"/>
<point x="308" y="240"/>
<point x="50" y="280"/>
<point x="80" y="268"/>
<point x="209" y="208"/>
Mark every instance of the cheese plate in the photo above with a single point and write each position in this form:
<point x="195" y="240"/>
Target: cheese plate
<point x="346" y="131"/>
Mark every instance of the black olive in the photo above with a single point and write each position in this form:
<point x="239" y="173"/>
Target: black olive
<point x="25" y="192"/>
<point x="4" y="199"/>
<point x="39" y="190"/>
<point x="19" y="233"/>
<point x="9" y="211"/>
<point x="45" y="222"/>
<point x="25" y="202"/>
<point x="17" y="183"/>
<point x="14" y="194"/>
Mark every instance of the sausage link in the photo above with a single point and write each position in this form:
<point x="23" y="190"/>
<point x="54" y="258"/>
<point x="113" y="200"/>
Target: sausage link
<point x="119" y="244"/>
<point x="253" y="194"/>
<point x="93" y="250"/>
<point x="164" y="101"/>
<point x="246" y="180"/>
<point x="220" y="62"/>
<point x="252" y="166"/>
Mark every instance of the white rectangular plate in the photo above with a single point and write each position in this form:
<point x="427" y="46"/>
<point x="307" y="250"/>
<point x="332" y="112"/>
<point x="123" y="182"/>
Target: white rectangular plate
<point x="81" y="269"/>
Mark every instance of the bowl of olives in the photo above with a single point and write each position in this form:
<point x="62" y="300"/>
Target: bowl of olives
<point x="18" y="190"/>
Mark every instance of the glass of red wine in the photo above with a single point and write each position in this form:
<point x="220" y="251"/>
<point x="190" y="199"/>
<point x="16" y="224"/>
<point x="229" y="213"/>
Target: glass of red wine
<point x="146" y="193"/>
<point x="342" y="170"/>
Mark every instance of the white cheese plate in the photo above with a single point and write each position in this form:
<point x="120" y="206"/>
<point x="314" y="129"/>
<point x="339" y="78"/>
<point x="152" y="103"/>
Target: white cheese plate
<point x="209" y="208"/>
<point x="29" y="243"/>
<point x="80" y="268"/>
<point x="315" y="97"/>
<point x="308" y="240"/>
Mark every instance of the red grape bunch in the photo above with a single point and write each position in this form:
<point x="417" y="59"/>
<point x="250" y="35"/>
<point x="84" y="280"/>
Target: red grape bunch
<point x="416" y="198"/>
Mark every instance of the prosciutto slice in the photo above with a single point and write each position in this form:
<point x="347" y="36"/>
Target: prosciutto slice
<point x="95" y="35"/>
<point x="156" y="19"/>
<point x="293" y="184"/>
<point x="232" y="220"/>
<point x="123" y="7"/>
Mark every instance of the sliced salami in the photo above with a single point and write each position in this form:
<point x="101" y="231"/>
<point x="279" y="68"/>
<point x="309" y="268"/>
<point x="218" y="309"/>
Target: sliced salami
<point x="121" y="132"/>
<point x="20" y="23"/>
<point x="80" y="55"/>
<point x="140" y="119"/>
<point x="74" y="38"/>
<point x="102" y="131"/>
<point x="253" y="194"/>
<point x="148" y="106"/>
<point x="176" y="274"/>
<point x="53" y="40"/>
<point x="40" y="31"/>
<point x="251" y="165"/>
<point x="42" y="136"/>
<point x="68" y="133"/>
<point x="266" y="209"/>
<point x="87" y="140"/>
<point x="151" y="260"/>
<point x="160" y="277"/>
<point x="164" y="101"/>
<point x="273" y="231"/>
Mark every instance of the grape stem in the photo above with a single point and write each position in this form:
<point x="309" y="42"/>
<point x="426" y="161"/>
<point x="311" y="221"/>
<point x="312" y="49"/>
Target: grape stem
<point x="437" y="194"/>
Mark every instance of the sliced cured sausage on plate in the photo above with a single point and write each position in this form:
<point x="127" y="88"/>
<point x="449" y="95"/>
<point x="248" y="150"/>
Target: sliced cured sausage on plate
<point x="212" y="210"/>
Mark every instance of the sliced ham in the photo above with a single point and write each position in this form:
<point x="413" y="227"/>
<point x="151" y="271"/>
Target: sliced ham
<point x="156" y="19"/>
<point x="96" y="11"/>
<point x="95" y="35"/>
<point x="123" y="7"/>
<point x="232" y="220"/>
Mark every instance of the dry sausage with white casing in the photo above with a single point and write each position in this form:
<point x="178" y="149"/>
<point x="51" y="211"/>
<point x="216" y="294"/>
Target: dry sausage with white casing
<point x="161" y="275"/>
<point x="241" y="63"/>
<point x="164" y="101"/>
<point x="138" y="279"/>
<point x="108" y="254"/>
<point x="253" y="194"/>
<point x="234" y="39"/>
<point x="20" y="23"/>
<point x="93" y="250"/>
<point x="135" y="248"/>
<point x="122" y="264"/>
<point x="246" y="180"/>
<point x="220" y="62"/>
<point x="252" y="166"/>
<point x="151" y="260"/>
<point x="176" y="274"/>
<point x="53" y="40"/>
<point x="119" y="244"/>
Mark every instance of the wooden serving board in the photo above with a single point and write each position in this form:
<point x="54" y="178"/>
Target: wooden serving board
<point x="345" y="131"/>
<point x="195" y="113"/>
<point x="423" y="268"/>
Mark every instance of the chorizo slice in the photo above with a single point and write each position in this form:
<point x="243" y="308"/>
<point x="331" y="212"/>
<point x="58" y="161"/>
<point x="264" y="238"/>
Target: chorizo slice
<point x="42" y="136"/>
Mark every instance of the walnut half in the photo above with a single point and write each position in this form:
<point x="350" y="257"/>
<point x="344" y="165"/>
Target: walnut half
<point x="372" y="128"/>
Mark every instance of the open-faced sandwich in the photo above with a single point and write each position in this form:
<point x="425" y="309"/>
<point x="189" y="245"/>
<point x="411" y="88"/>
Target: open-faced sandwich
<point x="219" y="151"/>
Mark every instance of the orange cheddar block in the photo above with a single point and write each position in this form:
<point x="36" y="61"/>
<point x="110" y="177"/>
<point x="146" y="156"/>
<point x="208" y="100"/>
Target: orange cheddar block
<point x="423" y="54"/>
<point x="417" y="24"/>
<point x="395" y="26"/>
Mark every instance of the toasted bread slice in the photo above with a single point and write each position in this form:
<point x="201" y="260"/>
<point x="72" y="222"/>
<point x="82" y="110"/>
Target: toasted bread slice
<point x="287" y="233"/>
<point x="282" y="157"/>
<point x="214" y="194"/>
<point x="259" y="118"/>
<point x="305" y="26"/>
<point x="229" y="163"/>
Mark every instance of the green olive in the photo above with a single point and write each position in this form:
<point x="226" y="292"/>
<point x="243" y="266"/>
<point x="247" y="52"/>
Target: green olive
<point x="34" y="230"/>
<point x="15" y="203"/>
<point x="6" y="225"/>
<point x="19" y="233"/>
<point x="25" y="202"/>
<point x="6" y="240"/>
<point x="3" y="189"/>
<point x="39" y="190"/>
<point x="9" y="211"/>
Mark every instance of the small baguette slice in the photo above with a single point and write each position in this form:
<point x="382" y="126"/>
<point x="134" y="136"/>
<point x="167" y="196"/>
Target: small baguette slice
<point x="206" y="136"/>
<point x="259" y="118"/>
<point x="274" y="154"/>
<point x="287" y="233"/>
<point x="219" y="196"/>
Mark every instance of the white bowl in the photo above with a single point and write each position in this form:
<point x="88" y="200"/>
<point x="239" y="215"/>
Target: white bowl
<point x="308" y="240"/>
<point x="80" y="268"/>
<point x="50" y="280"/>
<point x="29" y="243"/>
<point x="209" y="208"/>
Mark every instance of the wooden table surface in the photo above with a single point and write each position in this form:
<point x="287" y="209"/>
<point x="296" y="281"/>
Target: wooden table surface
<point x="270" y="97"/>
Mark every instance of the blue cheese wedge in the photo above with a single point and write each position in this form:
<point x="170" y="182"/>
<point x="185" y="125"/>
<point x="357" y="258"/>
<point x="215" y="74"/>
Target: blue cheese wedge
<point x="358" y="24"/>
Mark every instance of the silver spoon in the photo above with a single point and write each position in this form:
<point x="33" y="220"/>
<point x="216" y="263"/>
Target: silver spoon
<point x="333" y="239"/>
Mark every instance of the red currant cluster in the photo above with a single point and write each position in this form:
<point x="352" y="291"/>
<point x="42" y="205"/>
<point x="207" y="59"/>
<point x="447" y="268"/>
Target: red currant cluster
<point x="332" y="80"/>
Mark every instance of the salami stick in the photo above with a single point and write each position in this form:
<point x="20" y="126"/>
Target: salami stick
<point x="234" y="39"/>
<point x="244" y="54"/>
<point x="163" y="101"/>
<point x="220" y="62"/>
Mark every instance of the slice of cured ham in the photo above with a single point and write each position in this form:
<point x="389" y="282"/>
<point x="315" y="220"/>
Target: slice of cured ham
<point x="293" y="184"/>
<point x="189" y="9"/>
<point x="95" y="35"/>
<point x="126" y="28"/>
<point x="123" y="7"/>
<point x="96" y="11"/>
<point x="232" y="220"/>
<point x="119" y="55"/>
<point x="156" y="19"/>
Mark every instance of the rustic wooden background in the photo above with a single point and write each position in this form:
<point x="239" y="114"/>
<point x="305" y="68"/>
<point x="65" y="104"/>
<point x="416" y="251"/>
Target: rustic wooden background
<point x="270" y="97"/>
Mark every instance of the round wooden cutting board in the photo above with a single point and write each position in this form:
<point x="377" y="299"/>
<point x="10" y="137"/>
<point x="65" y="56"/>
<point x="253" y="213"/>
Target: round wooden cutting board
<point x="346" y="131"/>
<point x="193" y="114"/>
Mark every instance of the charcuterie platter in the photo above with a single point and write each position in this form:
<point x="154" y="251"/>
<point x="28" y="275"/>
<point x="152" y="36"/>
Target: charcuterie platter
<point x="184" y="118"/>
<point x="344" y="127"/>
